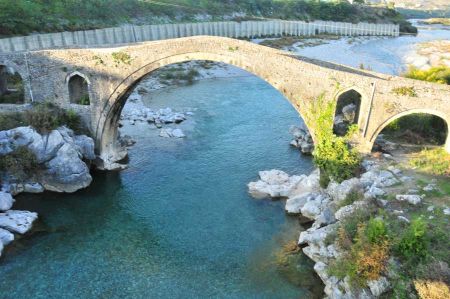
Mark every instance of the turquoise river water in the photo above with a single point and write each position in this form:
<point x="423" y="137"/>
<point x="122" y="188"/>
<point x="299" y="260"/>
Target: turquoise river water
<point x="179" y="222"/>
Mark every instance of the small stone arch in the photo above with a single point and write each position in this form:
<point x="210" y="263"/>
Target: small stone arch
<point x="439" y="114"/>
<point x="348" y="110"/>
<point x="12" y="89"/>
<point x="78" y="86"/>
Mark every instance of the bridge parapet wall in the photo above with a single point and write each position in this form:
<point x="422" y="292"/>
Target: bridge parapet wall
<point x="247" y="29"/>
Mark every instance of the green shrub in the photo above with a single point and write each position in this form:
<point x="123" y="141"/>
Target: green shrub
<point x="20" y="164"/>
<point x="438" y="74"/>
<point x="376" y="230"/>
<point x="332" y="154"/>
<point x="413" y="243"/>
<point x="364" y="260"/>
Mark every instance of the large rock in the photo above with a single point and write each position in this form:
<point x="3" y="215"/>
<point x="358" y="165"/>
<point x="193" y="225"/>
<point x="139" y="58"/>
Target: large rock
<point x="302" y="139"/>
<point x="379" y="286"/>
<point x="310" y="183"/>
<point x="6" y="237"/>
<point x="60" y="151"/>
<point x="350" y="209"/>
<point x="349" y="113"/>
<point x="66" y="172"/>
<point x="413" y="199"/>
<point x="274" y="183"/>
<point x="340" y="192"/>
<point x="295" y="204"/>
<point x="17" y="221"/>
<point x="314" y="207"/>
<point x="6" y="201"/>
<point x="315" y="236"/>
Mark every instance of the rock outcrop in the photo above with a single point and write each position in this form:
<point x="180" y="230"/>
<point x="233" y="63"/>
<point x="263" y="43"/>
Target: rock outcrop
<point x="302" y="139"/>
<point x="61" y="156"/>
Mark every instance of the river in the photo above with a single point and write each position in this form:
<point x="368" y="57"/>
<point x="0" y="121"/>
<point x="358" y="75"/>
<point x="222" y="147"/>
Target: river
<point x="178" y="223"/>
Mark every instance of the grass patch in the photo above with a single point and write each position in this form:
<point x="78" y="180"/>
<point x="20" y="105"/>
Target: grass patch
<point x="179" y="75"/>
<point x="405" y="91"/>
<point x="433" y="161"/>
<point x="44" y="117"/>
<point x="20" y="164"/>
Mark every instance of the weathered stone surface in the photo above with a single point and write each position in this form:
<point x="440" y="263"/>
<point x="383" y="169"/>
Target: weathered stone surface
<point x="6" y="237"/>
<point x="302" y="139"/>
<point x="316" y="235"/>
<point x="340" y="191"/>
<point x="295" y="204"/>
<point x="350" y="209"/>
<point x="374" y="192"/>
<point x="17" y="221"/>
<point x="62" y="155"/>
<point x="349" y="113"/>
<point x="379" y="286"/>
<point x="273" y="183"/>
<point x="66" y="172"/>
<point x="413" y="199"/>
<point x="314" y="207"/>
<point x="169" y="133"/>
<point x="6" y="201"/>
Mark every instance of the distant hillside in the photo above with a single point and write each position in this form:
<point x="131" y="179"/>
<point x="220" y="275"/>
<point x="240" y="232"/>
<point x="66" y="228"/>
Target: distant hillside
<point x="20" y="17"/>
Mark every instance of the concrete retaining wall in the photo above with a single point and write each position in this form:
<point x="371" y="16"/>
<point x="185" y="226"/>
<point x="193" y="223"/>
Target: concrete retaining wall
<point x="133" y="34"/>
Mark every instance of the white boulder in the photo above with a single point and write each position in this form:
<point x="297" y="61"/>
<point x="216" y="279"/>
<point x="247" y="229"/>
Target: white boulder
<point x="413" y="199"/>
<point x="6" y="201"/>
<point x="273" y="183"/>
<point x="17" y="221"/>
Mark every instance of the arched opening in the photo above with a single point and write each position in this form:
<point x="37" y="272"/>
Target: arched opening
<point x="347" y="111"/>
<point x="228" y="134"/>
<point x="106" y="129"/>
<point x="78" y="90"/>
<point x="412" y="132"/>
<point x="11" y="86"/>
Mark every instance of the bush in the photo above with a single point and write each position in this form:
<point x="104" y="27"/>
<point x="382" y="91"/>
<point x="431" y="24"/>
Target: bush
<point x="438" y="74"/>
<point x="376" y="230"/>
<point x="432" y="289"/>
<point x="413" y="243"/>
<point x="364" y="260"/>
<point x="20" y="163"/>
<point x="332" y="154"/>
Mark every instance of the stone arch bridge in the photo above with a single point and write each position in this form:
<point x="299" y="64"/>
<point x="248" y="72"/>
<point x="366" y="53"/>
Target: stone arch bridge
<point x="112" y="73"/>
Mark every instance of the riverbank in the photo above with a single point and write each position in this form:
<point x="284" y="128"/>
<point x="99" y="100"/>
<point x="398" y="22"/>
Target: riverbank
<point x="388" y="195"/>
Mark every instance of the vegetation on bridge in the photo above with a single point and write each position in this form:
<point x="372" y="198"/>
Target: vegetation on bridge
<point x="21" y="17"/>
<point x="332" y="154"/>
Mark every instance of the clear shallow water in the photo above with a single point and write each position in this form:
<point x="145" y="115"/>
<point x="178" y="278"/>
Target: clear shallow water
<point x="178" y="223"/>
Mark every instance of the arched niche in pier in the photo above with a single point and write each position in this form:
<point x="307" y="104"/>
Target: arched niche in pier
<point x="11" y="86"/>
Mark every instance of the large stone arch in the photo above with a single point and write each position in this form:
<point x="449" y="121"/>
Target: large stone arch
<point x="439" y="114"/>
<point x="106" y="128"/>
